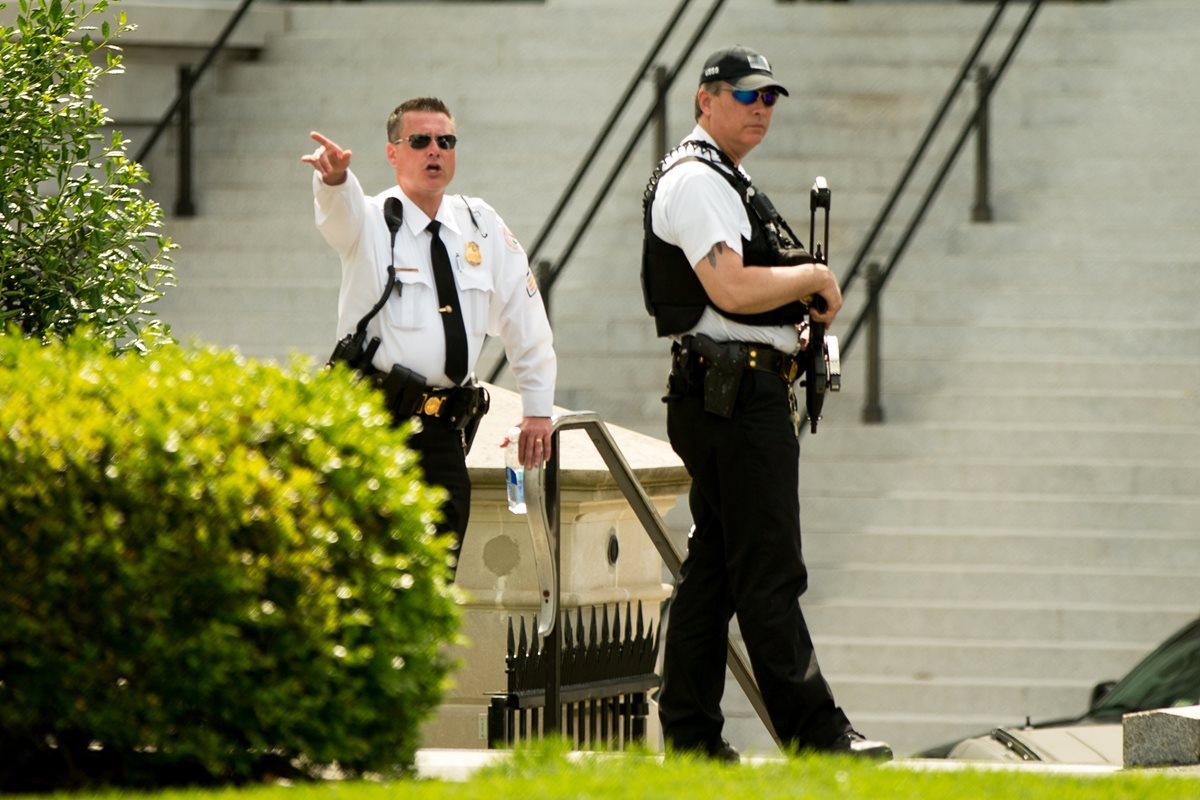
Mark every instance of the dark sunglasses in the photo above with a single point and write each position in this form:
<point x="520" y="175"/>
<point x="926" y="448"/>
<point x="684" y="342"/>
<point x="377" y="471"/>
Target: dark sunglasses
<point x="747" y="96"/>
<point x="419" y="141"/>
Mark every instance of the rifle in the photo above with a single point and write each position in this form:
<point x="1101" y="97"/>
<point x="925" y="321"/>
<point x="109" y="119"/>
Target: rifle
<point x="823" y="367"/>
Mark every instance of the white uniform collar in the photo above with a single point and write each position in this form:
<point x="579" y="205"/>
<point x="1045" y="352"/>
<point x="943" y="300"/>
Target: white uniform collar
<point x="416" y="220"/>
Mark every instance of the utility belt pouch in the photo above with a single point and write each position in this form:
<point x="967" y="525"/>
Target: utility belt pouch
<point x="725" y="365"/>
<point x="402" y="391"/>
<point x="465" y="410"/>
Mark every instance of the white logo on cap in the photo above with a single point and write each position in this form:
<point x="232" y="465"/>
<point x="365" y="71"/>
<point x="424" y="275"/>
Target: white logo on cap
<point x="712" y="71"/>
<point x="758" y="62"/>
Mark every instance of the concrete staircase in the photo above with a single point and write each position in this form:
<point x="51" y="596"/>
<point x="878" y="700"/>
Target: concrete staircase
<point x="1026" y="522"/>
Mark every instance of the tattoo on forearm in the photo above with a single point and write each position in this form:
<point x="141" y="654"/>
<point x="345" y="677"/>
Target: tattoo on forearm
<point x="717" y="249"/>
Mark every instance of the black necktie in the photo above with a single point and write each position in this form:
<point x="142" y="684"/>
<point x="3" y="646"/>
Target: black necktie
<point x="448" y="307"/>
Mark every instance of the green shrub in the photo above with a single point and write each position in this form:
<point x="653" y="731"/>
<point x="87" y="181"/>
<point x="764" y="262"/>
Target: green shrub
<point x="209" y="569"/>
<point x="79" y="242"/>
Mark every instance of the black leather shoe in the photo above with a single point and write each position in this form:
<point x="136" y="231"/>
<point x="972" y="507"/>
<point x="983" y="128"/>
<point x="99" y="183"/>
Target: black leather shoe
<point x="855" y="744"/>
<point x="719" y="750"/>
<point x="723" y="751"/>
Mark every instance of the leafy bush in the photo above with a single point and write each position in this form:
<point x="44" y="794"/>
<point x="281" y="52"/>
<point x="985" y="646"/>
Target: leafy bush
<point x="78" y="240"/>
<point x="210" y="569"/>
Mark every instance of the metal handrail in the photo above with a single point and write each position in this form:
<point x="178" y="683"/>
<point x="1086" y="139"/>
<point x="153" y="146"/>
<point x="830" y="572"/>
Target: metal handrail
<point x="209" y="57"/>
<point x="943" y="171"/>
<point x="605" y="130"/>
<point x="868" y="312"/>
<point x="622" y="159"/>
<point x="181" y="104"/>
<point x="918" y="153"/>
<point x="542" y="501"/>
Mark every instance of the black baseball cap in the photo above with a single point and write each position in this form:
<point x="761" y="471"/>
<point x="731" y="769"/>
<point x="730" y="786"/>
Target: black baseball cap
<point x="741" y="68"/>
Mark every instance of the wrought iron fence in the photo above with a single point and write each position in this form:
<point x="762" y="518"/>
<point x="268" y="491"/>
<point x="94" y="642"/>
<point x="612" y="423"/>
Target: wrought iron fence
<point x="607" y="673"/>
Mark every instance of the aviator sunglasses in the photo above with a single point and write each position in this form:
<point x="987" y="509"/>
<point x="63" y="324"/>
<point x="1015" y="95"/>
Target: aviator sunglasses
<point x="419" y="141"/>
<point x="747" y="96"/>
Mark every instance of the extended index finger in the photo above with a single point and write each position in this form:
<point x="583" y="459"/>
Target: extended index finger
<point x="325" y="142"/>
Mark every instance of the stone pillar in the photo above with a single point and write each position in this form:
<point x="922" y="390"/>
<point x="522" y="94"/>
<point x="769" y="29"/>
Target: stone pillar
<point x="497" y="572"/>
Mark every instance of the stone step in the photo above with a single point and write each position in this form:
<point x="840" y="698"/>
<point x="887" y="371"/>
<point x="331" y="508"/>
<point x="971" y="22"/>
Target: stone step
<point x="842" y="436"/>
<point x="835" y="47"/>
<point x="1121" y="340"/>
<point x="508" y="21"/>
<point x="957" y="619"/>
<point x="257" y="330"/>
<point x="996" y="273"/>
<point x="934" y="659"/>
<point x="1164" y="375"/>
<point x="1081" y="407"/>
<point x="850" y="508"/>
<point x="1110" y="550"/>
<point x="1048" y="584"/>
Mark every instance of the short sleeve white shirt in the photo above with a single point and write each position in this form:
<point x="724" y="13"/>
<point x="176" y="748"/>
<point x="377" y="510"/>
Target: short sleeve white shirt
<point x="695" y="208"/>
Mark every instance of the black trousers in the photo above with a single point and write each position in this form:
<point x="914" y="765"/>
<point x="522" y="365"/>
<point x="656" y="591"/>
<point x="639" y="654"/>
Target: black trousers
<point x="743" y="558"/>
<point x="444" y="463"/>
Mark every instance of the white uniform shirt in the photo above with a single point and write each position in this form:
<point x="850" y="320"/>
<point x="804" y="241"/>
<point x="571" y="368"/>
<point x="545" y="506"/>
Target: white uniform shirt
<point x="694" y="208"/>
<point x="496" y="288"/>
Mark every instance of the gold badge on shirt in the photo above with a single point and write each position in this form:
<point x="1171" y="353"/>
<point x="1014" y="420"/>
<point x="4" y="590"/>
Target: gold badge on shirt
<point x="473" y="256"/>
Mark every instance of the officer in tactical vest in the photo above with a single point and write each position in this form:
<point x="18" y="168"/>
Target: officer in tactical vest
<point x="726" y="280"/>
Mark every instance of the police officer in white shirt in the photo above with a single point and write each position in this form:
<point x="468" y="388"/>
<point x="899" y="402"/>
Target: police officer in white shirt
<point x="430" y="329"/>
<point x="719" y="284"/>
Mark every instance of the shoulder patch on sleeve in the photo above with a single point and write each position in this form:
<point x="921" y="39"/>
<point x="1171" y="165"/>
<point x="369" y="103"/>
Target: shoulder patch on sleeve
<point x="531" y="287"/>
<point x="511" y="242"/>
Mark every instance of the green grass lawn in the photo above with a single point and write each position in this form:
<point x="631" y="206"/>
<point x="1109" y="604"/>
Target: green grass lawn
<point x="544" y="773"/>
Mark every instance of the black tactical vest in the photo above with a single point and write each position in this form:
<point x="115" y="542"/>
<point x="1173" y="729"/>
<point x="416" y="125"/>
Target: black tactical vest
<point x="674" y="295"/>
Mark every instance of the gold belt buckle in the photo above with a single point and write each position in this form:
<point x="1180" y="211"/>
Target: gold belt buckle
<point x="432" y="405"/>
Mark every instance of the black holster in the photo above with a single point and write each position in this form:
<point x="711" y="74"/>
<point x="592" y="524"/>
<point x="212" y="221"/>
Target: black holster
<point x="723" y="370"/>
<point x="467" y="405"/>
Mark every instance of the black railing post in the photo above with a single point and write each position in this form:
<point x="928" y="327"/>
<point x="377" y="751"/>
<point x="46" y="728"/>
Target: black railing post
<point x="872" y="409"/>
<point x="184" y="207"/>
<point x="662" y="82"/>
<point x="982" y="210"/>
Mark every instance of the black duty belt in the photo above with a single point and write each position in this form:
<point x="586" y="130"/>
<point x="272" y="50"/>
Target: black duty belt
<point x="700" y="351"/>
<point x="406" y="395"/>
<point x="410" y="398"/>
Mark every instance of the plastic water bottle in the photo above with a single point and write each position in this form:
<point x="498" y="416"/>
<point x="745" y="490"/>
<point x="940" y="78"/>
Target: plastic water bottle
<point x="514" y="473"/>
